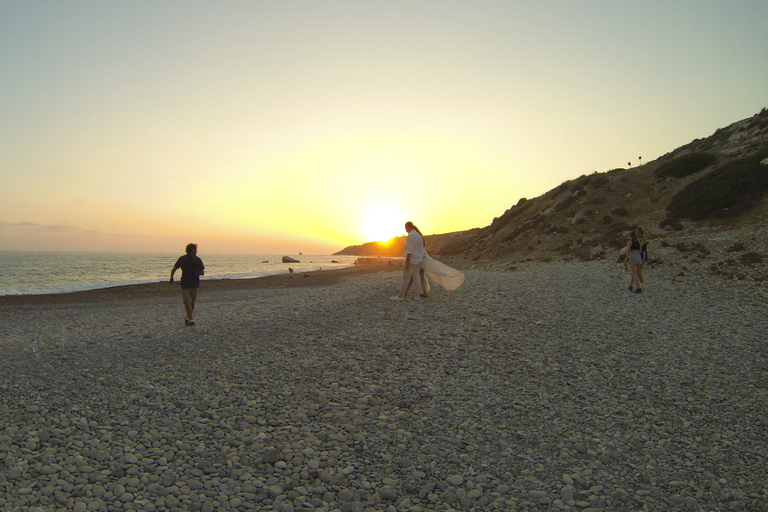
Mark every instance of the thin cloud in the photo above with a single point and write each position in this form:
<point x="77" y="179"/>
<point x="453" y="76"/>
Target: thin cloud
<point x="44" y="228"/>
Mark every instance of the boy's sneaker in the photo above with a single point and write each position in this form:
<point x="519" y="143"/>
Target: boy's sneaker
<point x="187" y="321"/>
<point x="638" y="291"/>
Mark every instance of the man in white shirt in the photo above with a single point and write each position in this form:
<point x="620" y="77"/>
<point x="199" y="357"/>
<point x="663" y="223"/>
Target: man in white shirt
<point x="414" y="256"/>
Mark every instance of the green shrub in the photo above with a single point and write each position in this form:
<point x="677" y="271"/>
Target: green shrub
<point x="730" y="190"/>
<point x="671" y="223"/>
<point x="620" y="211"/>
<point x="685" y="165"/>
<point x="600" y="181"/>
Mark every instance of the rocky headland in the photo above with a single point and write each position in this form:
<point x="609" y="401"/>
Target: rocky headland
<point x="589" y="217"/>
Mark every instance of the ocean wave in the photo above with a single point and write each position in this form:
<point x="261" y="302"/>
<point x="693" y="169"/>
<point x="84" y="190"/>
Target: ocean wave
<point x="98" y="285"/>
<point x="68" y="288"/>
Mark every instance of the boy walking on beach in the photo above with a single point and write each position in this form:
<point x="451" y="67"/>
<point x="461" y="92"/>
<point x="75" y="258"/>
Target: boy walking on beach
<point x="191" y="269"/>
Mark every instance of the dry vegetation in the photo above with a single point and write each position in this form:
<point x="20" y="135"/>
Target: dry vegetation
<point x="589" y="217"/>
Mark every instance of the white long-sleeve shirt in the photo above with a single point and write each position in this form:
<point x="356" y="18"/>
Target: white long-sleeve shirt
<point x="414" y="245"/>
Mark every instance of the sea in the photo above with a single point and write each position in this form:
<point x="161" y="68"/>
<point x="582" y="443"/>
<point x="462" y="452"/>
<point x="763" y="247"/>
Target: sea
<point x="35" y="273"/>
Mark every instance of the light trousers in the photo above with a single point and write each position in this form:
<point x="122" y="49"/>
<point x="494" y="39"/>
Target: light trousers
<point x="411" y="271"/>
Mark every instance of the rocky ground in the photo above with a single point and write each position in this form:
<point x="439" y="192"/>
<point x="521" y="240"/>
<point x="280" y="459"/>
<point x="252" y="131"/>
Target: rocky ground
<point x="543" y="386"/>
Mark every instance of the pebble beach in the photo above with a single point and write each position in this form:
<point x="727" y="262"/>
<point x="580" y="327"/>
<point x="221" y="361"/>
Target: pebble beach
<point x="543" y="386"/>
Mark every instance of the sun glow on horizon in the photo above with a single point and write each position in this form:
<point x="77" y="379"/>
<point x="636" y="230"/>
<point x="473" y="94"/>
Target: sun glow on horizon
<point x="257" y="127"/>
<point x="382" y="224"/>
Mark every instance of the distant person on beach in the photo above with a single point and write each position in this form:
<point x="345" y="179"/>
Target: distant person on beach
<point x="643" y="252"/>
<point x="414" y="256"/>
<point x="191" y="269"/>
<point x="634" y="260"/>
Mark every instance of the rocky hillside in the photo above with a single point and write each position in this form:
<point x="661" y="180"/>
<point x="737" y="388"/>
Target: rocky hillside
<point x="716" y="183"/>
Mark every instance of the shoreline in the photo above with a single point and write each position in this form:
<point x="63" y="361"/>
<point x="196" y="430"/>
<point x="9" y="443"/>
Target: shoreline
<point x="164" y="289"/>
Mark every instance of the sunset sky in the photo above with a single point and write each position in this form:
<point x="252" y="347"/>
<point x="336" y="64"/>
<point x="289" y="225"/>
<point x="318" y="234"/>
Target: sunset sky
<point x="285" y="126"/>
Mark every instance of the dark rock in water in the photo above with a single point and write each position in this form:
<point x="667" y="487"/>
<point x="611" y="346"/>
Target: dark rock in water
<point x="288" y="259"/>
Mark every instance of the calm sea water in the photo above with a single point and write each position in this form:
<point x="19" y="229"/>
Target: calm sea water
<point x="31" y="273"/>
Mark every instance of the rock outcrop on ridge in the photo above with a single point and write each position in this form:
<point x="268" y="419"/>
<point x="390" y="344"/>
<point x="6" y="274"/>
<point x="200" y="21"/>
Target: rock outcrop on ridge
<point x="589" y="217"/>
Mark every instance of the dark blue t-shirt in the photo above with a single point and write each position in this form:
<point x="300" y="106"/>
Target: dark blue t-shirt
<point x="190" y="266"/>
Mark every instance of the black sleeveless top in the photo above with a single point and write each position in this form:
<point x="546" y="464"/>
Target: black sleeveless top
<point x="635" y="245"/>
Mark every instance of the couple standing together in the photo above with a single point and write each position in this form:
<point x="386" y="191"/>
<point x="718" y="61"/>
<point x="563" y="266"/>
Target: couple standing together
<point x="419" y="267"/>
<point x="636" y="257"/>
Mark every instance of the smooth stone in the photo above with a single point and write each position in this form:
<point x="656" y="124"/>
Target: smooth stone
<point x="455" y="479"/>
<point x="388" y="492"/>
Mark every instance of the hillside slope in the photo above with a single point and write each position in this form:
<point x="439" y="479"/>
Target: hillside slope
<point x="589" y="217"/>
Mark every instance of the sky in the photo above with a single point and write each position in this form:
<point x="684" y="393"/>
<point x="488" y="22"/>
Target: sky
<point x="285" y="126"/>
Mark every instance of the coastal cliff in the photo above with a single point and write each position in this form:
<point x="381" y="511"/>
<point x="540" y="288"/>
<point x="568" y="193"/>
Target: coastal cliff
<point x="715" y="183"/>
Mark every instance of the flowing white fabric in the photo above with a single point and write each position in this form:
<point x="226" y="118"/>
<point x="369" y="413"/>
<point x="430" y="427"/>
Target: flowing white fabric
<point x="443" y="275"/>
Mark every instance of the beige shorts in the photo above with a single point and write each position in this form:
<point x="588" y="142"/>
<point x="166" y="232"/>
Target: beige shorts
<point x="189" y="295"/>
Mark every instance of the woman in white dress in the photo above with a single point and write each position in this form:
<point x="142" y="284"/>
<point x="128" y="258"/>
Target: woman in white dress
<point x="417" y="260"/>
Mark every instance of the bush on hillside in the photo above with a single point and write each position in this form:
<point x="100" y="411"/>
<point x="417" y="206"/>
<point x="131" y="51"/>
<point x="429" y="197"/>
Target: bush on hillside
<point x="501" y="222"/>
<point x="760" y="120"/>
<point x="718" y="138"/>
<point x="730" y="190"/>
<point x="600" y="181"/>
<point x="620" y="211"/>
<point x="685" y="165"/>
<point x="671" y="223"/>
<point x="565" y="203"/>
<point x="620" y="227"/>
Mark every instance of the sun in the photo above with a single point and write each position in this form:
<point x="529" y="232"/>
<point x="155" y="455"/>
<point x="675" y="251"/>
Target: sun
<point x="382" y="224"/>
